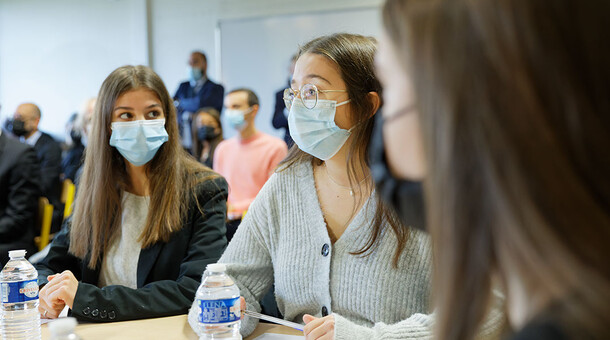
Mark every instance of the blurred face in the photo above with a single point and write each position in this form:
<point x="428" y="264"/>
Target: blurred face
<point x="197" y="61"/>
<point x="27" y="114"/>
<point x="239" y="101"/>
<point x="320" y="71"/>
<point x="401" y="130"/>
<point x="205" y="119"/>
<point x="138" y="104"/>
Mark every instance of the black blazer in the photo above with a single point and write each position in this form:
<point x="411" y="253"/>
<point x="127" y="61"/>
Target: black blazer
<point x="19" y="192"/>
<point x="279" y="119"/>
<point x="49" y="156"/>
<point x="168" y="274"/>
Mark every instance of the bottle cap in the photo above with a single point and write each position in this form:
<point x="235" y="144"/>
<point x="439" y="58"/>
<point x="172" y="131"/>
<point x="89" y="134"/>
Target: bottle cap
<point x="16" y="253"/>
<point x="62" y="326"/>
<point x="217" y="267"/>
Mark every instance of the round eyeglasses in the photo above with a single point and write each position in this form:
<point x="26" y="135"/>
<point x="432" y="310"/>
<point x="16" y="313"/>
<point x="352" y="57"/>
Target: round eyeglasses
<point x="308" y="95"/>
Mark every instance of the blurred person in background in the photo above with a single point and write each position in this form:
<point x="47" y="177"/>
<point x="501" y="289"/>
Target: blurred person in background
<point x="19" y="192"/>
<point x="208" y="129"/>
<point x="248" y="159"/>
<point x="73" y="155"/>
<point x="84" y="122"/>
<point x="196" y="93"/>
<point x="25" y="126"/>
<point x="280" y="114"/>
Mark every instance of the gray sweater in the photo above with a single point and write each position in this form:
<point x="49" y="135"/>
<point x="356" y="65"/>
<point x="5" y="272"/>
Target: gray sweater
<point x="283" y="240"/>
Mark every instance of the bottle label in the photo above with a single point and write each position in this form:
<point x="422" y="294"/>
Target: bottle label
<point x="219" y="311"/>
<point x="20" y="291"/>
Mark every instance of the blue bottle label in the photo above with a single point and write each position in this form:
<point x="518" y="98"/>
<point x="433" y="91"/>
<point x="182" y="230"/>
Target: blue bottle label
<point x="20" y="291"/>
<point x="219" y="311"/>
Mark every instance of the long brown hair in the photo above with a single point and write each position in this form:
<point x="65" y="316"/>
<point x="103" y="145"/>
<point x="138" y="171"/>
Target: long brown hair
<point x="172" y="174"/>
<point x="514" y="104"/>
<point x="354" y="55"/>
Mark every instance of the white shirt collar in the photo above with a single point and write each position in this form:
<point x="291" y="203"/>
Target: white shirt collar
<point x="199" y="82"/>
<point x="31" y="141"/>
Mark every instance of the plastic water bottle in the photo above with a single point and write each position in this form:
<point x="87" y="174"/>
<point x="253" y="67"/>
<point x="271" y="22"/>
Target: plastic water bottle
<point x="216" y="311"/>
<point x="63" y="329"/>
<point x="19" y="286"/>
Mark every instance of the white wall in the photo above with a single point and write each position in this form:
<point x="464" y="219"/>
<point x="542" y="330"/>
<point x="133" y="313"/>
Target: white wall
<point x="56" y="53"/>
<point x="179" y="27"/>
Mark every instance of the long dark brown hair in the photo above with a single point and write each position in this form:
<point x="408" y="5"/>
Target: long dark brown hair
<point x="172" y="173"/>
<point x="354" y="55"/>
<point x="515" y="109"/>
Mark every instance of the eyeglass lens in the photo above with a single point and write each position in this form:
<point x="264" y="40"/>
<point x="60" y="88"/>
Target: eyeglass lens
<point x="308" y="96"/>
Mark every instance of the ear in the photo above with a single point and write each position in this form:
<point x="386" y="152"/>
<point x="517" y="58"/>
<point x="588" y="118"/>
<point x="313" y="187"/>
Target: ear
<point x="254" y="110"/>
<point x="375" y="99"/>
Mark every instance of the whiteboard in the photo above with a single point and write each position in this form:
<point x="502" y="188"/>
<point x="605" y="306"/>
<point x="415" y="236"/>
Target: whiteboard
<point x="255" y="53"/>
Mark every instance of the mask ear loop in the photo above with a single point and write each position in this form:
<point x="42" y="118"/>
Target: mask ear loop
<point x="343" y="103"/>
<point x="397" y="114"/>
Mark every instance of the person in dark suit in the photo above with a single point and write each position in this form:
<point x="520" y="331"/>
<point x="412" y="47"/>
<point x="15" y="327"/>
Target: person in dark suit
<point x="19" y="191"/>
<point x="25" y="126"/>
<point x="148" y="218"/>
<point x="280" y="120"/>
<point x="196" y="93"/>
<point x="280" y="114"/>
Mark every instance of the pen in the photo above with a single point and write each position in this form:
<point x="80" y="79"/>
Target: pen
<point x="274" y="320"/>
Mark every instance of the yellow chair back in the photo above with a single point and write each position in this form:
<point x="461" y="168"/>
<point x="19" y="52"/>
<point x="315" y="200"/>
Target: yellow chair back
<point x="45" y="215"/>
<point x="67" y="197"/>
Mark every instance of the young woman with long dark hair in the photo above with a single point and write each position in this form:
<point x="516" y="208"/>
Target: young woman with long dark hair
<point x="505" y="107"/>
<point x="147" y="218"/>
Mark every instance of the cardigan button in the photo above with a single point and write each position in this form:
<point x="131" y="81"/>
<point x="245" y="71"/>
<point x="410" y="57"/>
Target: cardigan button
<point x="111" y="315"/>
<point x="86" y="311"/>
<point x="324" y="311"/>
<point x="103" y="314"/>
<point x="325" y="249"/>
<point x="95" y="313"/>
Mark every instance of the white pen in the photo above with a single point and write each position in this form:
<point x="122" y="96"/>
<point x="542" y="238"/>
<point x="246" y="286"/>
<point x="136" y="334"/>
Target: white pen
<point x="274" y="320"/>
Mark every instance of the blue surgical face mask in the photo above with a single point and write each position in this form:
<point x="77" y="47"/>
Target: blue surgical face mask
<point x="314" y="130"/>
<point x="236" y="119"/>
<point x="139" y="140"/>
<point x="195" y="74"/>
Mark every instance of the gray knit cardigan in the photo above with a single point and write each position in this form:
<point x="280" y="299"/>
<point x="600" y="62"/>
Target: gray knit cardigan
<point x="283" y="240"/>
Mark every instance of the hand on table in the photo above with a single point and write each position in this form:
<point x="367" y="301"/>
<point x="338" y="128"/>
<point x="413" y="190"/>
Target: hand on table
<point x="319" y="328"/>
<point x="55" y="295"/>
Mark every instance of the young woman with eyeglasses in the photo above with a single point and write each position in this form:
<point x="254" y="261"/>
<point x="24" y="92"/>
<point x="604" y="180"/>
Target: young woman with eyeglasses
<point x="339" y="260"/>
<point x="147" y="218"/>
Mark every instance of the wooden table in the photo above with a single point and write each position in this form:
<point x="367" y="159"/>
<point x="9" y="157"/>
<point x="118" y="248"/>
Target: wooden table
<point x="169" y="328"/>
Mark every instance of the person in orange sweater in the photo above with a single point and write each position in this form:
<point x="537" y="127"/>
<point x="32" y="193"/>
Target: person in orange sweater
<point x="248" y="159"/>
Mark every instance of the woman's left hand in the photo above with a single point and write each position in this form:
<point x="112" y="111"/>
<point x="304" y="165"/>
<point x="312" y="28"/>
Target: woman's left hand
<point x="60" y="289"/>
<point x="319" y="328"/>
